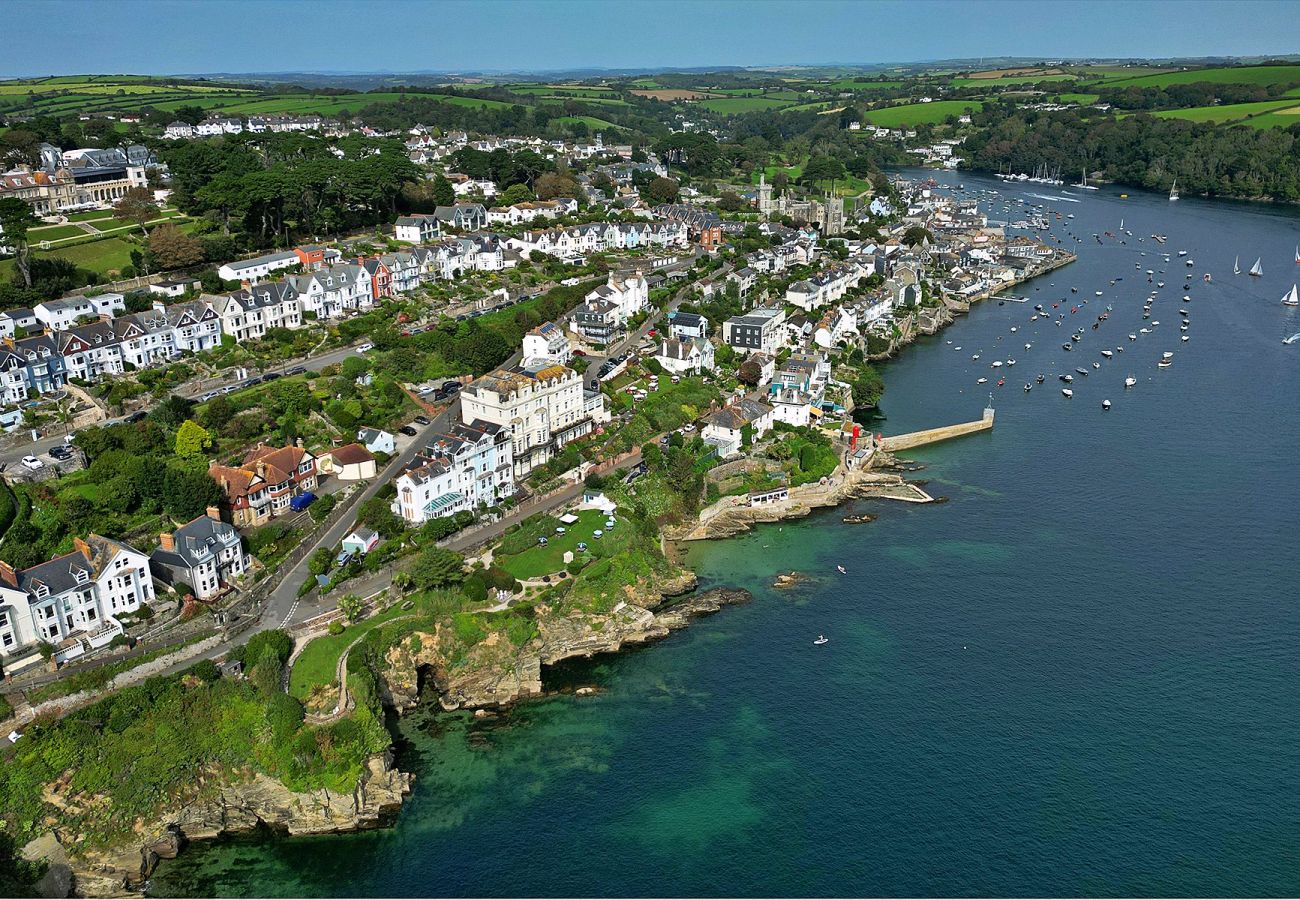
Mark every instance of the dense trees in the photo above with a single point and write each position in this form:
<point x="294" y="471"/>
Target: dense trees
<point x="276" y="186"/>
<point x="16" y="218"/>
<point x="171" y="248"/>
<point x="1142" y="150"/>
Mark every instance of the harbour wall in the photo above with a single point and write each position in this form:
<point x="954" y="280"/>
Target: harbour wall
<point x="935" y="435"/>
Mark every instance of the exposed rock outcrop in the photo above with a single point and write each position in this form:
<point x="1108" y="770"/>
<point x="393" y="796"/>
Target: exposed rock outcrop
<point x="239" y="808"/>
<point x="496" y="673"/>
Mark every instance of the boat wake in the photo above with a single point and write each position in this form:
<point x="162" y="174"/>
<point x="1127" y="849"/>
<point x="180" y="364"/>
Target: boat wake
<point x="1057" y="197"/>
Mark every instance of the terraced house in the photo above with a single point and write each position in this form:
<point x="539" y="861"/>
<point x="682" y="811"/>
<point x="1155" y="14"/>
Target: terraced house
<point x="331" y="292"/>
<point x="71" y="601"/>
<point x="246" y="315"/>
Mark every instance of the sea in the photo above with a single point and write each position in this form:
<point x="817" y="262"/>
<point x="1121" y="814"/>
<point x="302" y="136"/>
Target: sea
<point x="1078" y="676"/>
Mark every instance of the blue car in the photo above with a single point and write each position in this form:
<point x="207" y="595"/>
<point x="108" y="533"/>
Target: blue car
<point x="302" y="501"/>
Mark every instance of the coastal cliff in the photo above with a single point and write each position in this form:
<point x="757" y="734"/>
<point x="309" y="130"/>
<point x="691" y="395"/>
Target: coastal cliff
<point x="496" y="673"/>
<point x="222" y="808"/>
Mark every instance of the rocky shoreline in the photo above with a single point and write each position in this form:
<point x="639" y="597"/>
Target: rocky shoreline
<point x="497" y="677"/>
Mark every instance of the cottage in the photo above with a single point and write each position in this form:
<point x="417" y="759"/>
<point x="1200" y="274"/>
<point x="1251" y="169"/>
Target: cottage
<point x="351" y="462"/>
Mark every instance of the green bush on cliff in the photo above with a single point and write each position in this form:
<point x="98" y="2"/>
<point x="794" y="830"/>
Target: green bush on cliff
<point x="132" y="754"/>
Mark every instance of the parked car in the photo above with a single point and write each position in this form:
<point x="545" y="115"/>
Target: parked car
<point x="408" y="431"/>
<point x="33" y="463"/>
<point x="421" y="420"/>
<point x="136" y="417"/>
<point x="450" y="387"/>
<point x="296" y="370"/>
<point x="270" y="376"/>
<point x="365" y="348"/>
<point x="60" y="452"/>
<point x="302" y="501"/>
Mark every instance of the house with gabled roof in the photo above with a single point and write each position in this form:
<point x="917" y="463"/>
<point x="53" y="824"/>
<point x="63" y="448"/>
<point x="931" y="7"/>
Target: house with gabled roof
<point x="206" y="554"/>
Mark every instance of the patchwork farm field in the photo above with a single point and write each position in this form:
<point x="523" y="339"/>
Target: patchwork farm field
<point x="920" y="113"/>
<point x="1231" y="112"/>
<point x="730" y="106"/>
<point x="1261" y="75"/>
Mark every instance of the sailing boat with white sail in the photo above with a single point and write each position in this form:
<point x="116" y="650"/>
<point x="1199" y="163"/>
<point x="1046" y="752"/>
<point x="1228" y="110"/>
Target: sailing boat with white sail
<point x="1173" y="190"/>
<point x="1297" y="254"/>
<point x="1292" y="298"/>
<point x="1083" y="183"/>
<point x="1257" y="269"/>
<point x="1236" y="266"/>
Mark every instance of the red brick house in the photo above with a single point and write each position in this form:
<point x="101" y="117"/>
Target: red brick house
<point x="263" y="485"/>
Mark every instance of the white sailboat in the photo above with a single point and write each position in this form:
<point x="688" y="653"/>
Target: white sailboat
<point x="1083" y="183"/>
<point x="1292" y="298"/>
<point x="1236" y="266"/>
<point x="1173" y="190"/>
<point x="1297" y="254"/>
<point x="1257" y="270"/>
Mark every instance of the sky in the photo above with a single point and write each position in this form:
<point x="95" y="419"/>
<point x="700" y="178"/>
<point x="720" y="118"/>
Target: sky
<point x="160" y="37"/>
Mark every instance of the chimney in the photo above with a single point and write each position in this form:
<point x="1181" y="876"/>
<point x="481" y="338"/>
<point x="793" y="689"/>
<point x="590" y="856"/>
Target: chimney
<point x="7" y="574"/>
<point x="245" y="284"/>
<point x="214" y="514"/>
<point x="83" y="548"/>
<point x="298" y="443"/>
<point x="167" y="541"/>
<point x="261" y="468"/>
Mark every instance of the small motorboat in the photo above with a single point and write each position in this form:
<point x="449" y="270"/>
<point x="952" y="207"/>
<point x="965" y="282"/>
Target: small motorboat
<point x="1067" y="393"/>
<point x="1081" y="370"/>
<point x="1028" y="387"/>
<point x="1132" y="337"/>
<point x="1187" y="337"/>
<point x="1067" y="346"/>
<point x="1105" y="404"/>
<point x="1096" y="365"/>
<point x="1041" y="378"/>
<point x="1130" y="381"/>
<point x="1165" y="363"/>
<point x="975" y="357"/>
<point x="982" y="381"/>
<point x="1011" y="362"/>
<point x="996" y="364"/>
<point x="821" y="639"/>
<point x="1001" y="381"/>
<point x="1145" y="331"/>
<point x="1067" y="378"/>
<point x="1107" y="353"/>
<point x="842" y="570"/>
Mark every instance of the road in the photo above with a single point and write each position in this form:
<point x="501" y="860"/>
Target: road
<point x="281" y="607"/>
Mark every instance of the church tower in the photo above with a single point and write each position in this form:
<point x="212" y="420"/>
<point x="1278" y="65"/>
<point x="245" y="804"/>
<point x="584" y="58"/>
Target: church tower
<point x="764" y="196"/>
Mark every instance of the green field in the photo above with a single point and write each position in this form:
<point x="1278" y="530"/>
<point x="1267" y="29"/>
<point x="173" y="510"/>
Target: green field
<point x="1228" y="112"/>
<point x="730" y="106"/>
<point x="90" y="215"/>
<point x="1261" y="75"/>
<point x="1081" y="99"/>
<point x="920" y="113"/>
<point x="852" y="85"/>
<point x="538" y="561"/>
<point x="1008" y="79"/>
<point x="1282" y="118"/>
<point x="594" y="101"/>
<point x="592" y="122"/>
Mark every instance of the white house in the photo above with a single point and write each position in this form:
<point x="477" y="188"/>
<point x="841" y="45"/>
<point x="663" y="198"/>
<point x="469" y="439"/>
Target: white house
<point x="259" y="267"/>
<point x="377" y="441"/>
<point x="466" y="468"/>
<point x="760" y="329"/>
<point x="205" y="554"/>
<point x="726" y="428"/>
<point x="547" y="342"/>
<point x="686" y="357"/>
<point x="57" y="315"/>
<point x="72" y="600"/>
<point x="420" y="228"/>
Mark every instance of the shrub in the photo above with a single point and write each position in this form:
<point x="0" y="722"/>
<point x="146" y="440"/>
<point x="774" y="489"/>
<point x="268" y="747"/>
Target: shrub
<point x="284" y="713"/>
<point x="204" y="670"/>
<point x="335" y="628"/>
<point x="476" y="588"/>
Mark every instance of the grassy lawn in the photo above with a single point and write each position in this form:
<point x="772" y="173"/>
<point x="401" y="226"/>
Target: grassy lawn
<point x="100" y="256"/>
<point x="920" y="113"/>
<point x="1281" y="118"/>
<point x="539" y="560"/>
<point x="55" y="233"/>
<point x="590" y="121"/>
<point x="850" y="85"/>
<point x="319" y="661"/>
<point x="1081" y="99"/>
<point x="90" y="215"/>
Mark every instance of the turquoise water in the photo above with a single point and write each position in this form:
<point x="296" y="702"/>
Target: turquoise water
<point x="1077" y="677"/>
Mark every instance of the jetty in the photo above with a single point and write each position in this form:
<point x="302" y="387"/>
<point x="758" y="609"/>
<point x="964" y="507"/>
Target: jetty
<point x="935" y="435"/>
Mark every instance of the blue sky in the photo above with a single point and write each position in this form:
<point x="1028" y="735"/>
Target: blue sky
<point x="191" y="36"/>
